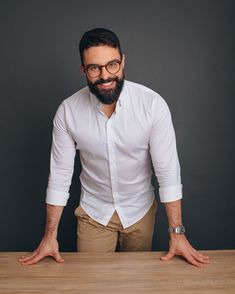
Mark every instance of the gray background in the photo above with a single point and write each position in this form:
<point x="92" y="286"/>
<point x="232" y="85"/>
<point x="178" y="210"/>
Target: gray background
<point x="184" y="50"/>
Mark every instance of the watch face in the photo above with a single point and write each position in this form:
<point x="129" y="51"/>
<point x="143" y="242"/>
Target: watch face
<point x="181" y="229"/>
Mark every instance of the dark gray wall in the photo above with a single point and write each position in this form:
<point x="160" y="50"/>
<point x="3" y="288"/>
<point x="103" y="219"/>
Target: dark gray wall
<point x="184" y="50"/>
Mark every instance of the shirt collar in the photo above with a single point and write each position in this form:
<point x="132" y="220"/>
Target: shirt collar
<point x="94" y="101"/>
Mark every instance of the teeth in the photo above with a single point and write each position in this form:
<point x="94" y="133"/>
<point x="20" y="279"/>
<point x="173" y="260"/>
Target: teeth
<point x="107" y="84"/>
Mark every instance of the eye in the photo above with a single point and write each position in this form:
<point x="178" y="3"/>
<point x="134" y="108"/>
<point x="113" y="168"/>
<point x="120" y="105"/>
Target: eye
<point x="113" y="64"/>
<point x="93" y="68"/>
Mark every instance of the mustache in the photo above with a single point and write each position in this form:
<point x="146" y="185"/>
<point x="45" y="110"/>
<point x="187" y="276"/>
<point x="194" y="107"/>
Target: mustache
<point x="102" y="81"/>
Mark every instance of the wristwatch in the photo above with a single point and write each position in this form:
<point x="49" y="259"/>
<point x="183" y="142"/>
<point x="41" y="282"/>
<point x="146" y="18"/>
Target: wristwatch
<point x="177" y="230"/>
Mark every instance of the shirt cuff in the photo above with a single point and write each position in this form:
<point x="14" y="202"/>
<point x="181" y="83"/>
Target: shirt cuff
<point x="56" y="197"/>
<point x="171" y="193"/>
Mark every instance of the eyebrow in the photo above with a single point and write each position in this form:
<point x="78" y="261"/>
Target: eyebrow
<point x="92" y="64"/>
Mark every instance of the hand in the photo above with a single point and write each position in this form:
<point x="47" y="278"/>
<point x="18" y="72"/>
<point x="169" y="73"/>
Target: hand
<point x="47" y="247"/>
<point x="179" y="245"/>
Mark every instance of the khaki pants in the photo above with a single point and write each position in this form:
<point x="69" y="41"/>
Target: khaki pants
<point x="95" y="237"/>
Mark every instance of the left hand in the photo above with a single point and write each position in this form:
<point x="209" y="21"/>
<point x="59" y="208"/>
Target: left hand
<point x="179" y="245"/>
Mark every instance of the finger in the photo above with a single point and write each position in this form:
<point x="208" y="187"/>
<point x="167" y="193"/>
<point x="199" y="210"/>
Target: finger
<point x="199" y="258"/>
<point x="58" y="257"/>
<point x="203" y="256"/>
<point x="33" y="260"/>
<point x="27" y="257"/>
<point x="192" y="260"/>
<point x="167" y="256"/>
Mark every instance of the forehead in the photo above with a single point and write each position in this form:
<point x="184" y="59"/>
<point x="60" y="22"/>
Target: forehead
<point x="100" y="54"/>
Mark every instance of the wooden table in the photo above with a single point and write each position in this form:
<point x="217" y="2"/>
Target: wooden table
<point x="119" y="272"/>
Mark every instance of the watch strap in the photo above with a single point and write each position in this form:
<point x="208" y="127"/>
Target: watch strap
<point x="177" y="230"/>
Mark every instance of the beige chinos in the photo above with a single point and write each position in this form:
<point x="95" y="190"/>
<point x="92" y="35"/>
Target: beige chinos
<point x="95" y="237"/>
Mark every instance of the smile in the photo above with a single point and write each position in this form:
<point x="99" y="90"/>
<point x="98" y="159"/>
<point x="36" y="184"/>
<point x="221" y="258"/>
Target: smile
<point x="106" y="85"/>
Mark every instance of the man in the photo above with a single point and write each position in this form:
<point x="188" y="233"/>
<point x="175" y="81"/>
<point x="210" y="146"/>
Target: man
<point x="119" y="127"/>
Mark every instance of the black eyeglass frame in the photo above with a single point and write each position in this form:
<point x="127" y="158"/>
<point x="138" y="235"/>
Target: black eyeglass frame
<point x="85" y="68"/>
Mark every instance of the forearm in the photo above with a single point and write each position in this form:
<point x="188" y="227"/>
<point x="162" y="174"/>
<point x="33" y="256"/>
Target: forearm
<point x="54" y="213"/>
<point x="174" y="214"/>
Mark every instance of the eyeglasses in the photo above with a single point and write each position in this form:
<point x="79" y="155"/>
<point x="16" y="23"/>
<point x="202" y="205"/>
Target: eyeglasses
<point x="94" y="70"/>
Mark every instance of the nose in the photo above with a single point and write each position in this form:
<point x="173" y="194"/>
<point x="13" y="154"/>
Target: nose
<point x="104" y="73"/>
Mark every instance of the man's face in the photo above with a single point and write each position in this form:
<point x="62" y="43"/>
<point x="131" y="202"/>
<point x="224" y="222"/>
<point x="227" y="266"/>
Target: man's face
<point x="106" y="86"/>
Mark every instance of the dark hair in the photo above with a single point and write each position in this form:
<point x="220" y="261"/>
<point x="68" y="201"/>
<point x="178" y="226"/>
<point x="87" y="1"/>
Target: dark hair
<point x="97" y="37"/>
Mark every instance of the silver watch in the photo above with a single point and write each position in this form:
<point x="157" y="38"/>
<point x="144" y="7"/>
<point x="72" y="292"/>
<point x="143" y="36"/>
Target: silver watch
<point x="177" y="230"/>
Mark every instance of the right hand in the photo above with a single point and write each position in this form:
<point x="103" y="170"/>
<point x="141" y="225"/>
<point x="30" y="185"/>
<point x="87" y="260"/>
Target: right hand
<point x="48" y="247"/>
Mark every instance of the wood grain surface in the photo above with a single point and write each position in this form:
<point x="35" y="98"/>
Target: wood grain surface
<point x="119" y="272"/>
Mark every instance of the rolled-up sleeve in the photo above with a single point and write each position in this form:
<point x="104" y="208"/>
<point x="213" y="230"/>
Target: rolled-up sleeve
<point x="163" y="152"/>
<point x="63" y="150"/>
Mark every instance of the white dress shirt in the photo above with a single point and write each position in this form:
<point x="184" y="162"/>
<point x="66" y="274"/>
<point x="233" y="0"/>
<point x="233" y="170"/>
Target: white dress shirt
<point x="115" y="154"/>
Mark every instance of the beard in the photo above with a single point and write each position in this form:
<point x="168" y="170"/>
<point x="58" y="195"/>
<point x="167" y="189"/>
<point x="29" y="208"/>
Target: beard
<point x="107" y="96"/>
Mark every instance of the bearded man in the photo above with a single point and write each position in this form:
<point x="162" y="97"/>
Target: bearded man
<point x="120" y="128"/>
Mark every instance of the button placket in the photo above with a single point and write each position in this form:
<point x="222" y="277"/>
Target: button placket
<point x="111" y="156"/>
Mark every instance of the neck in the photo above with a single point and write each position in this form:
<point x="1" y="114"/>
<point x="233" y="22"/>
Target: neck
<point x="108" y="109"/>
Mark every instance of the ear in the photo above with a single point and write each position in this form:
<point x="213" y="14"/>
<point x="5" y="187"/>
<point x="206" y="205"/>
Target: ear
<point x="123" y="60"/>
<point x="82" y="69"/>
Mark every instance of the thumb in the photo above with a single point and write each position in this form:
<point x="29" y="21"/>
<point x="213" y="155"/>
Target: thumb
<point x="58" y="257"/>
<point x="167" y="256"/>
